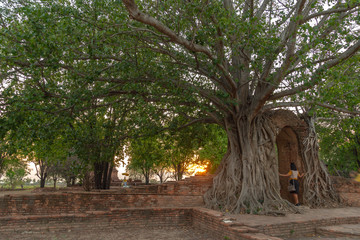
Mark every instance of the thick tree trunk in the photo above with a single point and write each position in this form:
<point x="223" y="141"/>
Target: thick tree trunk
<point x="87" y="181"/>
<point x="108" y="180"/>
<point x="318" y="188"/>
<point x="161" y="177"/>
<point x="68" y="182"/>
<point x="105" y="175"/>
<point x="73" y="181"/>
<point x="247" y="179"/>
<point x="146" y="174"/>
<point x="98" y="172"/>
<point x="160" y="173"/>
<point x="355" y="149"/>
<point x="102" y="175"/>
<point x="42" y="181"/>
<point x="178" y="171"/>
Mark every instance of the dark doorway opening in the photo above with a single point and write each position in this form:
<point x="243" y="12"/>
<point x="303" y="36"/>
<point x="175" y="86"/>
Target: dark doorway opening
<point x="288" y="151"/>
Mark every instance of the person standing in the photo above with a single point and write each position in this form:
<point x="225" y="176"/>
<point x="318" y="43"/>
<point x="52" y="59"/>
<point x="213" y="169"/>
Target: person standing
<point x="294" y="182"/>
<point x="125" y="182"/>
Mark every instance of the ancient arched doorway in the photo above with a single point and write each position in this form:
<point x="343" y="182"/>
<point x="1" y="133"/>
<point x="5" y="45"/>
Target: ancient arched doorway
<point x="288" y="151"/>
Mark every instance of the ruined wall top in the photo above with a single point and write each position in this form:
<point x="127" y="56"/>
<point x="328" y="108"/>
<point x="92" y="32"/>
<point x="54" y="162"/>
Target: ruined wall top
<point x="286" y="118"/>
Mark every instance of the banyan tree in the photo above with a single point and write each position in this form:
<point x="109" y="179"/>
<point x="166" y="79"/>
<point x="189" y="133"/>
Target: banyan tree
<point x="242" y="59"/>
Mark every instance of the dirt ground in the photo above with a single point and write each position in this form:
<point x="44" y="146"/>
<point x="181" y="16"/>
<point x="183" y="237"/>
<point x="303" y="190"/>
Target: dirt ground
<point x="320" y="238"/>
<point x="182" y="233"/>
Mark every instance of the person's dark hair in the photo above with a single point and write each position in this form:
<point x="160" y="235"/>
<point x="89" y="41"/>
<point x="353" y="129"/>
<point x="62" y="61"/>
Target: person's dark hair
<point x="293" y="166"/>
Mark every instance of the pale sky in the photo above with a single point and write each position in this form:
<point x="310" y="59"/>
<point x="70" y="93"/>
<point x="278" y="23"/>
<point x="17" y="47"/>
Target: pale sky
<point x="121" y="169"/>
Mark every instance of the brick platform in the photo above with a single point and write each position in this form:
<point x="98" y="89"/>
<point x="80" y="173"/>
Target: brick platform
<point x="348" y="189"/>
<point x="345" y="230"/>
<point x="298" y="225"/>
<point x="175" y="204"/>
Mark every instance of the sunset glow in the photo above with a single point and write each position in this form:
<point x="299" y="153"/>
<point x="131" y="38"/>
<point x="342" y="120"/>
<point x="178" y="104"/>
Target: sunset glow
<point x="196" y="169"/>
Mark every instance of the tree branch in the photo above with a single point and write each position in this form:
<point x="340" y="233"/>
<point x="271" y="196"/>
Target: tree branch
<point x="264" y="88"/>
<point x="316" y="77"/>
<point x="297" y="104"/>
<point x="328" y="12"/>
<point x="337" y="109"/>
<point x="136" y="14"/>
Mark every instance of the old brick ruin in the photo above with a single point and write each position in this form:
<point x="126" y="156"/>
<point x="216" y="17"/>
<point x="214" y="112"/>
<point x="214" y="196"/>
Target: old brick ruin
<point x="348" y="189"/>
<point x="291" y="133"/>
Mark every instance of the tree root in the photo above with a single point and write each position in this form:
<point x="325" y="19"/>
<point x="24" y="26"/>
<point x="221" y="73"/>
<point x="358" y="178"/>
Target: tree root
<point x="318" y="188"/>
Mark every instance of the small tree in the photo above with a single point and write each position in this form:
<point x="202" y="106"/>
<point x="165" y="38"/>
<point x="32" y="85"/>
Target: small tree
<point x="182" y="147"/>
<point x="214" y="147"/>
<point x="143" y="155"/>
<point x="42" y="170"/>
<point x="15" y="174"/>
<point x="162" y="171"/>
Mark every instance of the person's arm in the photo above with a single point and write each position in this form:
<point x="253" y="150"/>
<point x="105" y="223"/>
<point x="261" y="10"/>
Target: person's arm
<point x="285" y="175"/>
<point x="301" y="175"/>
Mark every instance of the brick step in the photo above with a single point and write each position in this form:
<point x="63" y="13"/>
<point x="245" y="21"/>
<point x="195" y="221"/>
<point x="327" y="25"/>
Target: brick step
<point x="257" y="236"/>
<point x="352" y="199"/>
<point x="344" y="230"/>
<point x="244" y="229"/>
<point x="72" y="203"/>
<point x="44" y="223"/>
<point x="125" y="218"/>
<point x="300" y="227"/>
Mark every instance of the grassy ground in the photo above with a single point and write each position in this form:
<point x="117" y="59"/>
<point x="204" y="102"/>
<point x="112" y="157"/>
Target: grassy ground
<point x="27" y="186"/>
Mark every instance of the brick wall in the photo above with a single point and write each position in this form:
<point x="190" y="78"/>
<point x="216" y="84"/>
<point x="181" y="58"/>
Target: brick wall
<point x="186" y="193"/>
<point x="304" y="228"/>
<point x="67" y="203"/>
<point x="348" y="189"/>
<point x="331" y="232"/>
<point x="194" y="185"/>
<point x="213" y="222"/>
<point x="117" y="218"/>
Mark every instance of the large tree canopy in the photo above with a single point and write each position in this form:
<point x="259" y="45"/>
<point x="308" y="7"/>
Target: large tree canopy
<point x="225" y="62"/>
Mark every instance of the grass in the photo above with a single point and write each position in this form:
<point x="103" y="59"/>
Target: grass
<point x="5" y="186"/>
